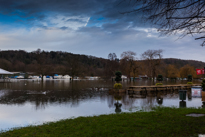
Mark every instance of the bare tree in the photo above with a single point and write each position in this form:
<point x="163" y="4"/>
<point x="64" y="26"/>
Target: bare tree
<point x="73" y="67"/>
<point x="42" y="67"/>
<point x="112" y="64"/>
<point x="128" y="63"/>
<point x="183" y="17"/>
<point x="153" y="60"/>
<point x="172" y="71"/>
<point x="112" y="56"/>
<point x="186" y="70"/>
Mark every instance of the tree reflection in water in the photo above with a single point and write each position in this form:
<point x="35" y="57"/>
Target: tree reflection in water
<point x="118" y="107"/>
<point x="75" y="93"/>
<point x="50" y="92"/>
<point x="203" y="101"/>
<point x="160" y="100"/>
<point x="182" y="104"/>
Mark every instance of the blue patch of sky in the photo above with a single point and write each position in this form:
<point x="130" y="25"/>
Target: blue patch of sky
<point x="14" y="21"/>
<point x="95" y="21"/>
<point x="99" y="21"/>
<point x="18" y="19"/>
<point x="8" y="19"/>
<point x="101" y="18"/>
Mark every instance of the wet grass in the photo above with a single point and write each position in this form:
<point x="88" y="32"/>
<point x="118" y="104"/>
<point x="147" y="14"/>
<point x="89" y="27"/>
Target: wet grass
<point x="160" y="122"/>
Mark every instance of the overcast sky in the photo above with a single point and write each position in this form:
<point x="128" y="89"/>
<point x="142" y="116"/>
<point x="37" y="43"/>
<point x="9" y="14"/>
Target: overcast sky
<point x="90" y="27"/>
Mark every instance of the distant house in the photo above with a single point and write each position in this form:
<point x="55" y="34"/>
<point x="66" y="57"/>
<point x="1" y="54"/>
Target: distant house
<point x="4" y="72"/>
<point x="124" y="77"/>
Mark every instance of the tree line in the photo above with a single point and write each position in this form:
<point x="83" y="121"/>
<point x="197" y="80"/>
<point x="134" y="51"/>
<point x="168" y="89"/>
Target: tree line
<point x="152" y="64"/>
<point x="149" y="63"/>
<point x="49" y="63"/>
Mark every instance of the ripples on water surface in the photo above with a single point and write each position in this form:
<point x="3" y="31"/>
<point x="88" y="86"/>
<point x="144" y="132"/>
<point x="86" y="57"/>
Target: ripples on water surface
<point x="26" y="102"/>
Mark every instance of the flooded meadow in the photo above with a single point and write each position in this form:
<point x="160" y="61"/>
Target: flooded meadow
<point x="29" y="102"/>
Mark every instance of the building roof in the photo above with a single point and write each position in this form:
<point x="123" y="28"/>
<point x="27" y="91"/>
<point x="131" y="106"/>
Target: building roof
<point x="2" y="71"/>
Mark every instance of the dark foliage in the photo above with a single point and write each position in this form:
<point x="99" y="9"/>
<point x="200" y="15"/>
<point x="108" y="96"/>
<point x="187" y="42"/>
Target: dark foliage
<point x="118" y="76"/>
<point x="49" y="63"/>
<point x="159" y="77"/>
<point x="189" y="78"/>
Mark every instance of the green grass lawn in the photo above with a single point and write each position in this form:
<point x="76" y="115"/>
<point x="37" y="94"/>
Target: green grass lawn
<point x="164" y="122"/>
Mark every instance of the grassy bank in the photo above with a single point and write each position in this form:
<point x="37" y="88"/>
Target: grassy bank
<point x="161" y="122"/>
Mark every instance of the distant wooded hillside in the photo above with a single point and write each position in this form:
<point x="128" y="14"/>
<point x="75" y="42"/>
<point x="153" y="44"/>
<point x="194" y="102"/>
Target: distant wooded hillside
<point x="180" y="63"/>
<point x="49" y="63"/>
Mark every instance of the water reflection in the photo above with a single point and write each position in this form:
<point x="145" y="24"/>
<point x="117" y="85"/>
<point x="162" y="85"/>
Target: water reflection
<point x="118" y="107"/>
<point x="27" y="102"/>
<point x="189" y="96"/>
<point x="160" y="100"/>
<point x="203" y="101"/>
<point x="182" y="104"/>
<point x="54" y="93"/>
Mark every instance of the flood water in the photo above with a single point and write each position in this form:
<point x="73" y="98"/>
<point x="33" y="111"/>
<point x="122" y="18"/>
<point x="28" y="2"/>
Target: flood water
<point x="27" y="102"/>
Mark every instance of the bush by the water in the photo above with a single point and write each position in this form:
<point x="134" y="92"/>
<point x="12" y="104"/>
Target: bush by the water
<point x="118" y="76"/>
<point x="160" y="77"/>
<point x="158" y="84"/>
<point x="189" y="83"/>
<point x="118" y="86"/>
<point x="189" y="78"/>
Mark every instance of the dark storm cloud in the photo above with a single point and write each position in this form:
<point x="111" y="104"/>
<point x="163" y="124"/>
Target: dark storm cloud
<point x="40" y="9"/>
<point x="32" y="7"/>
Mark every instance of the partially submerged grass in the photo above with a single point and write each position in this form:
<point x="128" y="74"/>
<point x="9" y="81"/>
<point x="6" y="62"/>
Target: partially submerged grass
<point x="160" y="122"/>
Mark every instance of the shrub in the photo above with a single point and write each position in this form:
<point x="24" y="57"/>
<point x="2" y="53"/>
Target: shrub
<point x="158" y="84"/>
<point x="189" y="78"/>
<point x="118" y="76"/>
<point x="160" y="77"/>
<point x="189" y="83"/>
<point x="118" y="86"/>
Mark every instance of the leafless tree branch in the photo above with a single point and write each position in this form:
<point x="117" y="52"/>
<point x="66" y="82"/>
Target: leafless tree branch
<point x="186" y="17"/>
